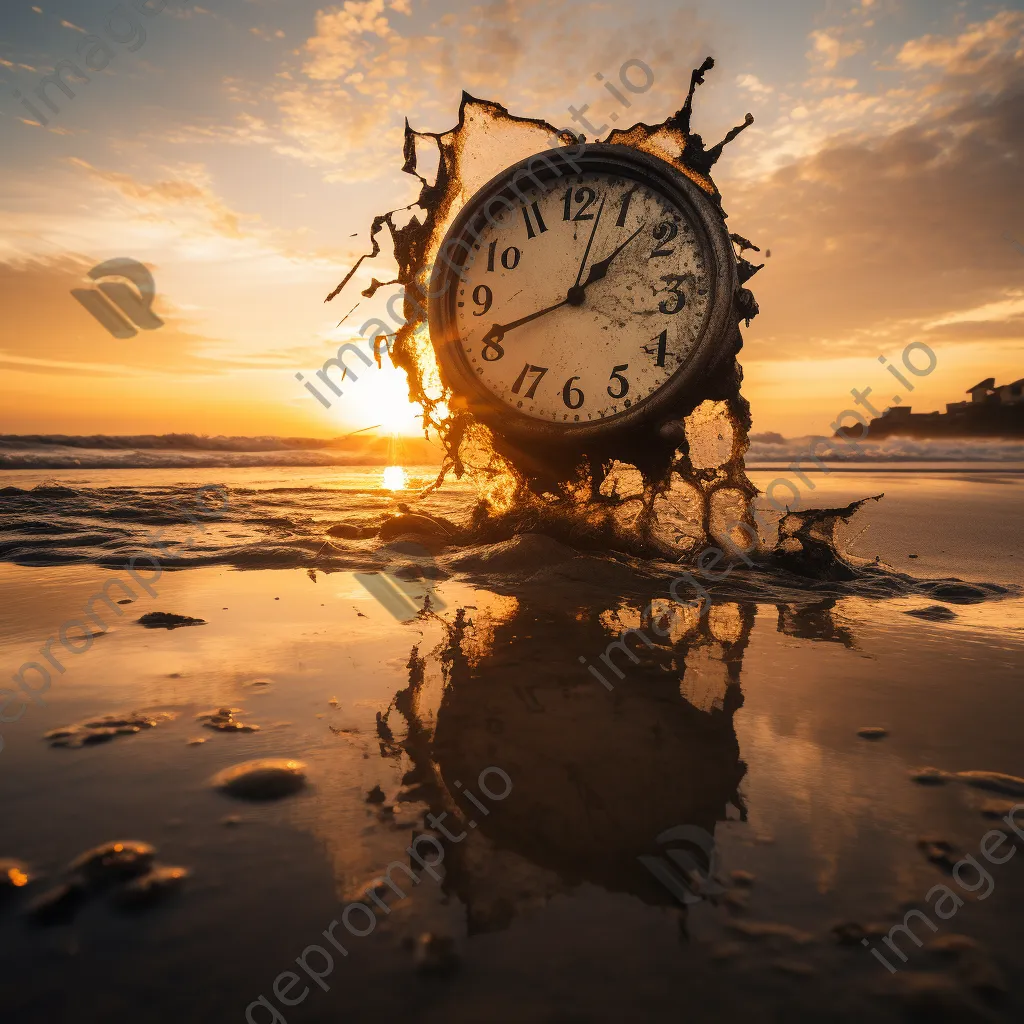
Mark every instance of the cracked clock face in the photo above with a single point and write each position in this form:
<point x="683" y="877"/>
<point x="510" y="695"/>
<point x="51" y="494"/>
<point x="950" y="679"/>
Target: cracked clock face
<point x="582" y="298"/>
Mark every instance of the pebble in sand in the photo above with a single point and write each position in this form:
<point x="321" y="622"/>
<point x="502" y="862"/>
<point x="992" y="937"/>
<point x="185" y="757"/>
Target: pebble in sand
<point x="930" y="776"/>
<point x="155" y="885"/>
<point x="125" y="866"/>
<point x="168" y="620"/>
<point x="997" y="808"/>
<point x="872" y="732"/>
<point x="105" y="728"/>
<point x="933" y="613"/>
<point x="223" y="720"/>
<point x="113" y="862"/>
<point x="995" y="781"/>
<point x="265" y="779"/>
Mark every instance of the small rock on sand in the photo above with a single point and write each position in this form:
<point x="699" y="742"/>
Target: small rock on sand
<point x="265" y="779"/>
<point x="996" y="808"/>
<point x="376" y="796"/>
<point x="930" y="776"/>
<point x="995" y="781"/>
<point x="872" y="732"/>
<point x="111" y="862"/>
<point x="933" y="613"/>
<point x="151" y="887"/>
<point x="958" y="593"/>
<point x="223" y="720"/>
<point x="168" y="620"/>
<point x="106" y="728"/>
<point x="417" y="524"/>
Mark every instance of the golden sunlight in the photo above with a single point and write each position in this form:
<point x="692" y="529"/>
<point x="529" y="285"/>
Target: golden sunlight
<point x="394" y="478"/>
<point x="383" y="401"/>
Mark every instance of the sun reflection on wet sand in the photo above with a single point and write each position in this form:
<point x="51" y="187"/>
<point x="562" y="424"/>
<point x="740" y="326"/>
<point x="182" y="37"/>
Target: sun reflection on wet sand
<point x="394" y="478"/>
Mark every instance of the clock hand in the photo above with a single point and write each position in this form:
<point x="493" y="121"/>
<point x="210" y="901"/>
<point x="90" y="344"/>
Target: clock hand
<point x="590" y="241"/>
<point x="498" y="331"/>
<point x="599" y="270"/>
<point x="575" y="294"/>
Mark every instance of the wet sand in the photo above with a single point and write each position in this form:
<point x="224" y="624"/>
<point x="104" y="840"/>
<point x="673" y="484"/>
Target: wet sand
<point x="743" y="723"/>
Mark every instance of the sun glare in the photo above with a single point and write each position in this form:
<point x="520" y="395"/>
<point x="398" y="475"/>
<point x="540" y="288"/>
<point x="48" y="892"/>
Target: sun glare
<point x="394" y="478"/>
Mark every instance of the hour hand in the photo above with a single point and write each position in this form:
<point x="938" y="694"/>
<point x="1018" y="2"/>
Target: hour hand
<point x="599" y="270"/>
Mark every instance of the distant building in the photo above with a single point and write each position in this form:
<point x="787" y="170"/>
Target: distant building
<point x="993" y="411"/>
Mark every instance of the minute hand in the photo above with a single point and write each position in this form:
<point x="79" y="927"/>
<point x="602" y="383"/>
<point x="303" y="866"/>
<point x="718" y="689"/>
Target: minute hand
<point x="599" y="270"/>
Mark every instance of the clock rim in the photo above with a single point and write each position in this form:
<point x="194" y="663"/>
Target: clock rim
<point x="708" y="222"/>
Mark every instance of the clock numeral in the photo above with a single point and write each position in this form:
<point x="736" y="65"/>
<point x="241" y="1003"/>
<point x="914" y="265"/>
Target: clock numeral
<point x="584" y="195"/>
<point x="529" y="368"/>
<point x="482" y="297"/>
<point x="662" y="340"/>
<point x="490" y="346"/>
<point x="541" y="226"/>
<point x="616" y="375"/>
<point x="509" y="258"/>
<point x="664" y="232"/>
<point x="620" y="221"/>
<point x="572" y="397"/>
<point x="673" y="284"/>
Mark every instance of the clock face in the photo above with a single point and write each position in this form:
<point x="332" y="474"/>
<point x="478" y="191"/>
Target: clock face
<point x="579" y="297"/>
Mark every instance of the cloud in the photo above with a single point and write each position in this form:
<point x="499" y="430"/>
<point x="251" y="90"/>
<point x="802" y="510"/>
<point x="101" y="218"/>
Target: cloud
<point x="972" y="50"/>
<point x="754" y="85"/>
<point x="344" y="36"/>
<point x="366" y="68"/>
<point x="880" y="239"/>
<point x="194" y="194"/>
<point x="828" y="48"/>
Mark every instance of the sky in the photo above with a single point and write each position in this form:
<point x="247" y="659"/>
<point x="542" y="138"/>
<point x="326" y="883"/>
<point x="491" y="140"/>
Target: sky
<point x="240" y="148"/>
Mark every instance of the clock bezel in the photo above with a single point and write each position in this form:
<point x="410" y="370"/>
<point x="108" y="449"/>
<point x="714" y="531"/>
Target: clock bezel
<point x="708" y="224"/>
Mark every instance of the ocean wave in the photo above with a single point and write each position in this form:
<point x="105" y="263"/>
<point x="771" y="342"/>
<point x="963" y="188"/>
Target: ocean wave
<point x="774" y="448"/>
<point x="169" y="451"/>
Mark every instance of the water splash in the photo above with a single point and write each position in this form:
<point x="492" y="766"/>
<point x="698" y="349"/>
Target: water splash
<point x="667" y="495"/>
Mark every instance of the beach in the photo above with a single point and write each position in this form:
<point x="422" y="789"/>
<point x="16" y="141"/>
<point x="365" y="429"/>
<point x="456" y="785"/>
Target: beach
<point x="740" y="719"/>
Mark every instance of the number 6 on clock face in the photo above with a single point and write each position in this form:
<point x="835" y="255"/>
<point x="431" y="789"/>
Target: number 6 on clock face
<point x="583" y="298"/>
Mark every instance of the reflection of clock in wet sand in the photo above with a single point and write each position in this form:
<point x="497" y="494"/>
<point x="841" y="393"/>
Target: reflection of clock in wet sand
<point x="580" y="304"/>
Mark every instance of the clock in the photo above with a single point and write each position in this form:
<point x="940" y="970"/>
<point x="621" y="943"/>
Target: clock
<point x="577" y="299"/>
